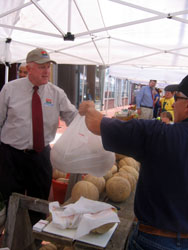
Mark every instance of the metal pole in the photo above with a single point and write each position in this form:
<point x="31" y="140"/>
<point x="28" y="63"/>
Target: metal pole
<point x="7" y="57"/>
<point x="83" y="82"/>
<point x="69" y="15"/>
<point x="6" y="73"/>
<point x="107" y="97"/>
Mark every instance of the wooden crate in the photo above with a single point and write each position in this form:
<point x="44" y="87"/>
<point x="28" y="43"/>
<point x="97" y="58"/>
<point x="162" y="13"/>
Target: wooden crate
<point x="19" y="234"/>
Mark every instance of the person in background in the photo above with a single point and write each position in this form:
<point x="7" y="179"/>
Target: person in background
<point x="166" y="117"/>
<point x="22" y="71"/>
<point x="144" y="101"/>
<point x="161" y="204"/>
<point x="24" y="169"/>
<point x="156" y="103"/>
<point x="167" y="101"/>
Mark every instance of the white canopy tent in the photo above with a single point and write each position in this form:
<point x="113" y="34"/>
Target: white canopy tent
<point x="164" y="76"/>
<point x="140" y="39"/>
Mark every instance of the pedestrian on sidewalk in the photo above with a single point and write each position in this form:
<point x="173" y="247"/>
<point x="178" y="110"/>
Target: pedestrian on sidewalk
<point x="145" y="100"/>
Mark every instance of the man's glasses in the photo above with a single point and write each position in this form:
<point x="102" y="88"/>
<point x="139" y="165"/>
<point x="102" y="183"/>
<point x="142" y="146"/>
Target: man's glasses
<point x="179" y="97"/>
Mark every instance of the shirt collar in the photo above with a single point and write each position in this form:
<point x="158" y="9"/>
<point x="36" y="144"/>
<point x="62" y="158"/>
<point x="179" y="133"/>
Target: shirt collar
<point x="41" y="87"/>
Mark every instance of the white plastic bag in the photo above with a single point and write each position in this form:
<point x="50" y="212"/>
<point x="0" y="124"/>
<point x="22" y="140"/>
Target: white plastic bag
<point x="80" y="151"/>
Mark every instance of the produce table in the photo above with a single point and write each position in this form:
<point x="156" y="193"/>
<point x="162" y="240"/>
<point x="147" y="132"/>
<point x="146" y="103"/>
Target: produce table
<point x="127" y="114"/>
<point x="19" y="234"/>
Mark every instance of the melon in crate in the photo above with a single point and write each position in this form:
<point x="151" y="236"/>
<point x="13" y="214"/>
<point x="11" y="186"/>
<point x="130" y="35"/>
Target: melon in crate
<point x="85" y="189"/>
<point x="118" y="189"/>
<point x="99" y="182"/>
<point x="130" y="170"/>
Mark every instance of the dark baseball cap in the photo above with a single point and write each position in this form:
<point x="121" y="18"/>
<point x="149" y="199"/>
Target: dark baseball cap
<point x="171" y="87"/>
<point x="39" y="56"/>
<point x="182" y="87"/>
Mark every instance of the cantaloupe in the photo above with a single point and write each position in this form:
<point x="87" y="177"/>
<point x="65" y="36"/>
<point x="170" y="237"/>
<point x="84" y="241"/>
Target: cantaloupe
<point x="58" y="174"/>
<point x="118" y="189"/>
<point x="114" y="169"/>
<point x="108" y="175"/>
<point x="64" y="180"/>
<point x="123" y="174"/>
<point x="130" y="170"/>
<point x="103" y="229"/>
<point x="99" y="182"/>
<point x="132" y="181"/>
<point x="122" y="163"/>
<point x="48" y="246"/>
<point x="119" y="156"/>
<point x="132" y="162"/>
<point x="85" y="189"/>
<point x="127" y="176"/>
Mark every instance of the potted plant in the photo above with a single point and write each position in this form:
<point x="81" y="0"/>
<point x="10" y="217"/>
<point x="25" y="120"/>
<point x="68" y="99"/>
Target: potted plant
<point x="2" y="211"/>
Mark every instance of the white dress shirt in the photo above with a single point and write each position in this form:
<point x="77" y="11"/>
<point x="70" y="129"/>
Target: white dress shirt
<point x="16" y="112"/>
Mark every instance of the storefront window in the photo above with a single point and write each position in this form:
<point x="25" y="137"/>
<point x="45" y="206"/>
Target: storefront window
<point x="110" y="87"/>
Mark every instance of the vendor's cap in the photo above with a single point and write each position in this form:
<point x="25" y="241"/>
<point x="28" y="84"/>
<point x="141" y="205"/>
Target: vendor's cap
<point x="171" y="87"/>
<point x="182" y="87"/>
<point x="39" y="56"/>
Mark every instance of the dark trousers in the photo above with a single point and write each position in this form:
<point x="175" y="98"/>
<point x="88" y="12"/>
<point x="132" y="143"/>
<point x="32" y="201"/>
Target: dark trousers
<point x="156" y="111"/>
<point x="26" y="173"/>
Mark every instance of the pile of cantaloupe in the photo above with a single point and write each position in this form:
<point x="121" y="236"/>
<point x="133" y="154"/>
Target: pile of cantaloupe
<point x="118" y="183"/>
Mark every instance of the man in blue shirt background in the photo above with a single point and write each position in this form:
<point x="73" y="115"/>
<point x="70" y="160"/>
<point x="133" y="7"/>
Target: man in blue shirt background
<point x="144" y="100"/>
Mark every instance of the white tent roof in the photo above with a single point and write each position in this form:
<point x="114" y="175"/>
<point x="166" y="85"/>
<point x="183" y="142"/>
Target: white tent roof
<point x="164" y="76"/>
<point x="136" y="34"/>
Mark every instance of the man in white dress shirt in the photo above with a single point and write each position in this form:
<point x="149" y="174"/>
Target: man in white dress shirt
<point x="22" y="169"/>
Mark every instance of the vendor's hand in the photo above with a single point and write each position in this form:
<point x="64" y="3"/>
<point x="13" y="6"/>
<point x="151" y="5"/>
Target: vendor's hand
<point x="93" y="120"/>
<point x="83" y="107"/>
<point x="92" y="116"/>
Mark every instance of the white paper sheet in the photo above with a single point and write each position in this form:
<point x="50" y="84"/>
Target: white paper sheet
<point x="100" y="240"/>
<point x="84" y="215"/>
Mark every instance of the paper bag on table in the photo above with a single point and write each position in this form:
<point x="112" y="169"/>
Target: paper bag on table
<point x="84" y="215"/>
<point x="80" y="151"/>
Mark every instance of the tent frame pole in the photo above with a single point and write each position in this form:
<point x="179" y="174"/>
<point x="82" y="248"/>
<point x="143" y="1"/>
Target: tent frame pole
<point x="48" y="17"/>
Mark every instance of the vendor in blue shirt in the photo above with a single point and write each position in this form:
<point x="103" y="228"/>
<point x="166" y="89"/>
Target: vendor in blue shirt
<point x="145" y="99"/>
<point x="161" y="198"/>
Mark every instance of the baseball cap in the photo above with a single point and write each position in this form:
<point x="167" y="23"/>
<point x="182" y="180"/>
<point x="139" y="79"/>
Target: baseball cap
<point x="181" y="87"/>
<point x="171" y="87"/>
<point x="39" y="56"/>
